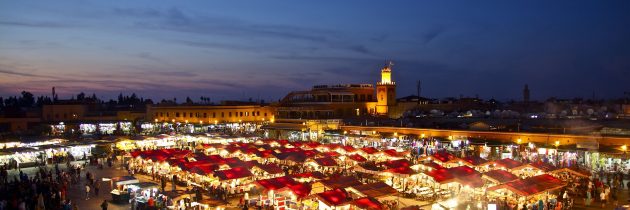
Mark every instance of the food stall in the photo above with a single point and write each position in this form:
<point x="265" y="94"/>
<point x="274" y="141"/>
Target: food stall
<point x="119" y="192"/>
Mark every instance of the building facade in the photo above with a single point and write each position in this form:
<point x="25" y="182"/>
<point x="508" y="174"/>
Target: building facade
<point x="211" y="113"/>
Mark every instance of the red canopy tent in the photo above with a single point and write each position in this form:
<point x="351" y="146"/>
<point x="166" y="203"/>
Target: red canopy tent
<point x="433" y="165"/>
<point x="369" y="150"/>
<point x="532" y="185"/>
<point x="401" y="171"/>
<point x="396" y="163"/>
<point x="329" y="154"/>
<point x="441" y="176"/>
<point x="445" y="157"/>
<point x="270" y="168"/>
<point x="393" y="153"/>
<point x="500" y="176"/>
<point x="314" y="174"/>
<point x="376" y="189"/>
<point x="264" y="153"/>
<point x="233" y="173"/>
<point x="326" y="161"/>
<point x="348" y="148"/>
<point x="340" y="182"/>
<point x="336" y="197"/>
<point x="508" y="163"/>
<point x="357" y="158"/>
<point x="203" y="169"/>
<point x="312" y="144"/>
<point x="301" y="190"/>
<point x="276" y="183"/>
<point x="367" y="203"/>
<point x="475" y="161"/>
<point x="545" y="167"/>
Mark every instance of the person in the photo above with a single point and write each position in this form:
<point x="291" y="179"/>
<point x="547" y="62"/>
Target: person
<point x="602" y="197"/>
<point x="87" y="192"/>
<point x="97" y="186"/>
<point x="104" y="205"/>
<point x="588" y="198"/>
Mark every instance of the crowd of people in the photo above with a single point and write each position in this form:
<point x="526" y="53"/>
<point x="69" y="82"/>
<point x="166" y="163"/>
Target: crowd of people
<point x="47" y="189"/>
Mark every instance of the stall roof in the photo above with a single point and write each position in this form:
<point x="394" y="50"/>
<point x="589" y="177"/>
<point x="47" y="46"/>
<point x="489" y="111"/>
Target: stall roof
<point x="340" y="182"/>
<point x="336" y="197"/>
<point x="508" y="163"/>
<point x="348" y="148"/>
<point x="440" y="175"/>
<point x="367" y="203"/>
<point x="369" y="150"/>
<point x="264" y="153"/>
<point x="145" y="185"/>
<point x="233" y="173"/>
<point x="301" y="190"/>
<point x="473" y="181"/>
<point x="203" y="169"/>
<point x="532" y="185"/>
<point x="276" y="183"/>
<point x="396" y="163"/>
<point x="546" y="167"/>
<point x="326" y="161"/>
<point x="574" y="170"/>
<point x="462" y="171"/>
<point x="357" y="158"/>
<point x="330" y="154"/>
<point x="312" y="144"/>
<point x="393" y="153"/>
<point x="475" y="160"/>
<point x="270" y="168"/>
<point x="500" y="176"/>
<point x="376" y="189"/>
<point x="433" y="165"/>
<point x="401" y="170"/>
<point x="314" y="174"/>
<point x="444" y="157"/>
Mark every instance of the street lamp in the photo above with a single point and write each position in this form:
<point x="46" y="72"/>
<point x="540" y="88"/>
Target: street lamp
<point x="624" y="148"/>
<point x="519" y="141"/>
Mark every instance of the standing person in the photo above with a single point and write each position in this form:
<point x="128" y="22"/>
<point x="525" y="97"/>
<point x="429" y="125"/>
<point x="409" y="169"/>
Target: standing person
<point x="97" y="186"/>
<point x="174" y="182"/>
<point x="87" y="192"/>
<point x="104" y="205"/>
<point x="602" y="197"/>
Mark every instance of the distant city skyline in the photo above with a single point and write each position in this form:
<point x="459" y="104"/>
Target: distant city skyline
<point x="237" y="50"/>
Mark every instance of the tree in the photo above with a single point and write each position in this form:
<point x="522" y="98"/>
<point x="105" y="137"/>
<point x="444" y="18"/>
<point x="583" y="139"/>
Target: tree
<point x="188" y="100"/>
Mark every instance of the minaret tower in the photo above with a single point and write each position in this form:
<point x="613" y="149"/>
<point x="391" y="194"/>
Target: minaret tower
<point x="526" y="94"/>
<point x="385" y="91"/>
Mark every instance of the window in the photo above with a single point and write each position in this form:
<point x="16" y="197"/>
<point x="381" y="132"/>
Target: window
<point x="205" y="115"/>
<point x="265" y="114"/>
<point x="190" y="115"/>
<point x="257" y="113"/>
<point x="241" y="114"/>
<point x="229" y="114"/>
<point x="222" y="114"/>
<point x="167" y="114"/>
<point x="176" y="114"/>
<point x="214" y="115"/>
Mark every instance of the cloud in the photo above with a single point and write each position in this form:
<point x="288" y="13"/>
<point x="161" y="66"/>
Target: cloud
<point x="432" y="34"/>
<point x="23" y="74"/>
<point x="176" y="20"/>
<point x="35" y="24"/>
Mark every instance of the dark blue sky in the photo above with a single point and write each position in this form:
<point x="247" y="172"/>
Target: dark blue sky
<point x="236" y="50"/>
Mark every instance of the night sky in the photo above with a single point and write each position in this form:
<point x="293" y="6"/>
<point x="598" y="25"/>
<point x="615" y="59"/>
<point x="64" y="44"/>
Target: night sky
<point x="264" y="49"/>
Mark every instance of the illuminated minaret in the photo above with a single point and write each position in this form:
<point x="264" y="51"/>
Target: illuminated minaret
<point x="385" y="91"/>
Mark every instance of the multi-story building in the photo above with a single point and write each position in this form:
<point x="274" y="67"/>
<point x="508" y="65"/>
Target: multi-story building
<point x="210" y="113"/>
<point x="341" y="101"/>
